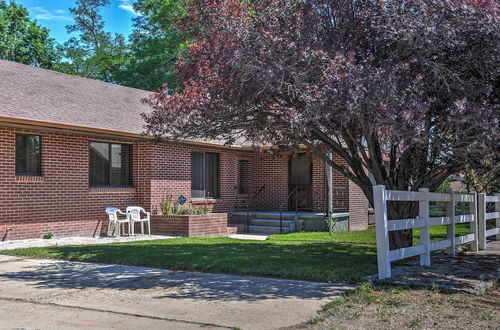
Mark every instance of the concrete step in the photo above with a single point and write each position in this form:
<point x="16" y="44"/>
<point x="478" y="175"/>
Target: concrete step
<point x="271" y="222"/>
<point x="287" y="215"/>
<point x="322" y="215"/>
<point x="267" y="215"/>
<point x="267" y="229"/>
<point x="274" y="215"/>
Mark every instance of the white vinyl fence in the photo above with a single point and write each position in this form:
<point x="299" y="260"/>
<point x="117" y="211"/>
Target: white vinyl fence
<point x="424" y="221"/>
<point x="484" y="216"/>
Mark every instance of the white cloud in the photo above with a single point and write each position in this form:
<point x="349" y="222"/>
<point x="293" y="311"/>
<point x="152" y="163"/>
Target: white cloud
<point x="127" y="6"/>
<point x="44" y="14"/>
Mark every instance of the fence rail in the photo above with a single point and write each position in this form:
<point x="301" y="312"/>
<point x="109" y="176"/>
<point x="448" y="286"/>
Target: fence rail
<point x="424" y="221"/>
<point x="484" y="216"/>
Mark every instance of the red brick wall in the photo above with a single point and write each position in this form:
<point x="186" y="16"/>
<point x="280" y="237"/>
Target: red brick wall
<point x="319" y="193"/>
<point x="358" y="208"/>
<point x="170" y="225"/>
<point x="340" y="188"/>
<point x="214" y="224"/>
<point x="60" y="201"/>
<point x="171" y="175"/>
<point x="272" y="171"/>
<point x="142" y="175"/>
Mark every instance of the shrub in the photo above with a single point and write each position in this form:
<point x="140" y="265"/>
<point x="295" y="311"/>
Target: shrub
<point x="169" y="206"/>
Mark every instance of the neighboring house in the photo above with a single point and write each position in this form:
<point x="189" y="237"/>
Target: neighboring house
<point x="69" y="146"/>
<point x="457" y="183"/>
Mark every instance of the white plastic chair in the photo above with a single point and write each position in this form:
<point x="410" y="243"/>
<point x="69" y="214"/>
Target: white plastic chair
<point x="117" y="222"/>
<point x="134" y="213"/>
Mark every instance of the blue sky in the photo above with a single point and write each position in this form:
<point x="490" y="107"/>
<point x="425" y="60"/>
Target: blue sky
<point x="54" y="15"/>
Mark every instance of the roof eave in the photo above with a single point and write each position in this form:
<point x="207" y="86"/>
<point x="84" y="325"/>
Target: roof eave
<point x="100" y="131"/>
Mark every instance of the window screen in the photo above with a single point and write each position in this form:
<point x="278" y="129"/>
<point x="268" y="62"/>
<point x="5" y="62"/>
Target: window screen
<point x="204" y="175"/>
<point x="28" y="154"/>
<point x="109" y="164"/>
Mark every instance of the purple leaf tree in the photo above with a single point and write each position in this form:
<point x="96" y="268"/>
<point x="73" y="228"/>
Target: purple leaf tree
<point x="404" y="90"/>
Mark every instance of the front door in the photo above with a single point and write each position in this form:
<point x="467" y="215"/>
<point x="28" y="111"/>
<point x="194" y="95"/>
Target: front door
<point x="300" y="177"/>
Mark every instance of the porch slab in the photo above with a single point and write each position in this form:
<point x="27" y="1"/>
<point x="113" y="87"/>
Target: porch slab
<point x="255" y="237"/>
<point x="291" y="213"/>
<point x="271" y="222"/>
<point x="60" y="241"/>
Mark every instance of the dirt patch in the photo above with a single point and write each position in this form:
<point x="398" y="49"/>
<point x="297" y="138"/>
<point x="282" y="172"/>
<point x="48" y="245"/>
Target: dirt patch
<point x="472" y="273"/>
<point x="395" y="307"/>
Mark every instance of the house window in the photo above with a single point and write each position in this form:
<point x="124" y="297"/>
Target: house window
<point x="28" y="152"/>
<point x="204" y="175"/>
<point x="244" y="176"/>
<point x="110" y="164"/>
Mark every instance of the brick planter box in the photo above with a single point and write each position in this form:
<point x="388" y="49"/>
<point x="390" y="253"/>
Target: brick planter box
<point x="212" y="224"/>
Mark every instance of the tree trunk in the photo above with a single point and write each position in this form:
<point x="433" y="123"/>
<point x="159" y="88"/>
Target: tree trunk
<point x="400" y="238"/>
<point x="401" y="210"/>
<point x="356" y="171"/>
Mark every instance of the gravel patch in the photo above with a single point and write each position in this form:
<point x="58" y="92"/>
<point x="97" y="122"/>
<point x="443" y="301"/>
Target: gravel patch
<point x="60" y="241"/>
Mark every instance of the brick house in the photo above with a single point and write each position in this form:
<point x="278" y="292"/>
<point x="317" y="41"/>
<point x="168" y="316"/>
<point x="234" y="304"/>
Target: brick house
<point x="69" y="146"/>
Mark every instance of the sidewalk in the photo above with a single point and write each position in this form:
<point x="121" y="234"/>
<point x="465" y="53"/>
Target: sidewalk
<point x="60" y="294"/>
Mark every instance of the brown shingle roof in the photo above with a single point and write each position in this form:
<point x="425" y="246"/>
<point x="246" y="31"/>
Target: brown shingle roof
<point x="42" y="95"/>
<point x="54" y="98"/>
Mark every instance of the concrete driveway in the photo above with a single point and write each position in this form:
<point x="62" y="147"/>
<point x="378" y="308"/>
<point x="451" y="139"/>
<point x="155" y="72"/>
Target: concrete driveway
<point x="52" y="294"/>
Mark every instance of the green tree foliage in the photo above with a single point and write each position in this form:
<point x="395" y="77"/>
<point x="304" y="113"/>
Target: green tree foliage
<point x="23" y="40"/>
<point x="444" y="187"/>
<point x="95" y="53"/>
<point x="155" y="44"/>
<point x="147" y="61"/>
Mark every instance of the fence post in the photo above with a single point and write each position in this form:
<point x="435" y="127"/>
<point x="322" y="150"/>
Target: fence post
<point x="481" y="220"/>
<point x="380" y="203"/>
<point x="450" y="229"/>
<point x="497" y="220"/>
<point x="425" y="239"/>
<point x="473" y="224"/>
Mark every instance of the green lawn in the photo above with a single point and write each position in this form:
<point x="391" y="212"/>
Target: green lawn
<point x="361" y="237"/>
<point x="439" y="232"/>
<point x="315" y="260"/>
<point x="314" y="256"/>
<point x="365" y="236"/>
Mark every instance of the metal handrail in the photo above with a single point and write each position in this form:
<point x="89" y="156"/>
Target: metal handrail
<point x="285" y="201"/>
<point x="294" y="191"/>
<point x="261" y="188"/>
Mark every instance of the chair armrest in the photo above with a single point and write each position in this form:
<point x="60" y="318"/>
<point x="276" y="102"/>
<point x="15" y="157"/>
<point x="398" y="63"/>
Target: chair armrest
<point x="148" y="215"/>
<point x="123" y="213"/>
